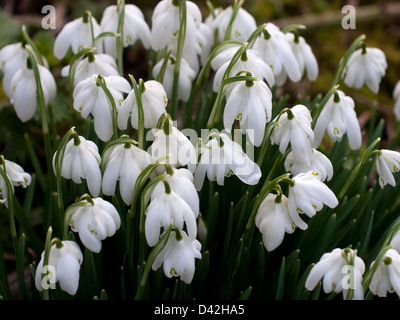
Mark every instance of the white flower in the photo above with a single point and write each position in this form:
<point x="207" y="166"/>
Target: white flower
<point x="365" y="66"/>
<point x="17" y="177"/>
<point x="395" y="241"/>
<point x="90" y="98"/>
<point x="276" y="51"/>
<point x="332" y="268"/>
<point x="81" y="161"/>
<point x="273" y="220"/>
<point x="295" y="128"/>
<point x="337" y="118"/>
<point x="76" y="35"/>
<point x="134" y="28"/>
<point x="181" y="182"/>
<point x="319" y="162"/>
<point x="23" y="91"/>
<point x="165" y="209"/>
<point x="250" y="102"/>
<point x="154" y="101"/>
<point x="123" y="163"/>
<point x="186" y="77"/>
<point x="396" y="97"/>
<point x="221" y="157"/>
<point x="305" y="57"/>
<point x="12" y="58"/>
<point x="178" y="257"/>
<point x="250" y="62"/>
<point x="166" y="25"/>
<point x="66" y="258"/>
<point x="386" y="278"/>
<point x="100" y="63"/>
<point x="94" y="221"/>
<point x="242" y="27"/>
<point x="175" y="144"/>
<point x="308" y="195"/>
<point x="387" y="161"/>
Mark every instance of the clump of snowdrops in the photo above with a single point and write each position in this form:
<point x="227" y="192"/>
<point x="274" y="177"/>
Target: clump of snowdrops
<point x="202" y="180"/>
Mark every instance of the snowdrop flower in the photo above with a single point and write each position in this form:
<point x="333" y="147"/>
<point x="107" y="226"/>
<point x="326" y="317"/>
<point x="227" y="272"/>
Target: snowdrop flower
<point x="395" y="241"/>
<point x="396" y="97"/>
<point x="174" y="143"/>
<point x="387" y="162"/>
<point x="166" y="25"/>
<point x="365" y="66"/>
<point x="337" y="118"/>
<point x="123" y="163"/>
<point x="90" y="98"/>
<point x="221" y="157"/>
<point x="178" y="257"/>
<point x="250" y="102"/>
<point x="23" y="91"/>
<point x="181" y="182"/>
<point x="94" y="220"/>
<point x="12" y="58"/>
<point x="76" y="35"/>
<point x="276" y="51"/>
<point x="332" y="268"/>
<point x="319" y="162"/>
<point x="81" y="160"/>
<point x="186" y="77"/>
<point x="16" y="175"/>
<point x="154" y="101"/>
<point x="307" y="195"/>
<point x="386" y="277"/>
<point x="305" y="57"/>
<point x="273" y="220"/>
<point x="100" y="63"/>
<point x="66" y="258"/>
<point x="242" y="27"/>
<point x="134" y="28"/>
<point x="168" y="207"/>
<point x="294" y="127"/>
<point x="250" y="61"/>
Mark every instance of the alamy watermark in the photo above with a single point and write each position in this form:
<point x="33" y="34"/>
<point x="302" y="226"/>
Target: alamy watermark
<point x="49" y="20"/>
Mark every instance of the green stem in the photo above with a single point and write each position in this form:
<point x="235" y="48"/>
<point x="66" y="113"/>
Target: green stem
<point x="152" y="256"/>
<point x="322" y="104"/>
<point x="120" y="37"/>
<point x="101" y="82"/>
<point x="42" y="107"/>
<point x="47" y="248"/>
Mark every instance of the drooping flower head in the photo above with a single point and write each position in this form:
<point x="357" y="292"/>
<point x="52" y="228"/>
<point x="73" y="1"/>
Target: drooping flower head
<point x="178" y="257"/>
<point x="123" y="162"/>
<point x="250" y="102"/>
<point x="294" y="127"/>
<point x="134" y="28"/>
<point x="23" y="90"/>
<point x="387" y="162"/>
<point x="154" y="101"/>
<point x="64" y="263"/>
<point x="81" y="160"/>
<point x="386" y="277"/>
<point x="77" y="34"/>
<point x="276" y="51"/>
<point x="90" y="98"/>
